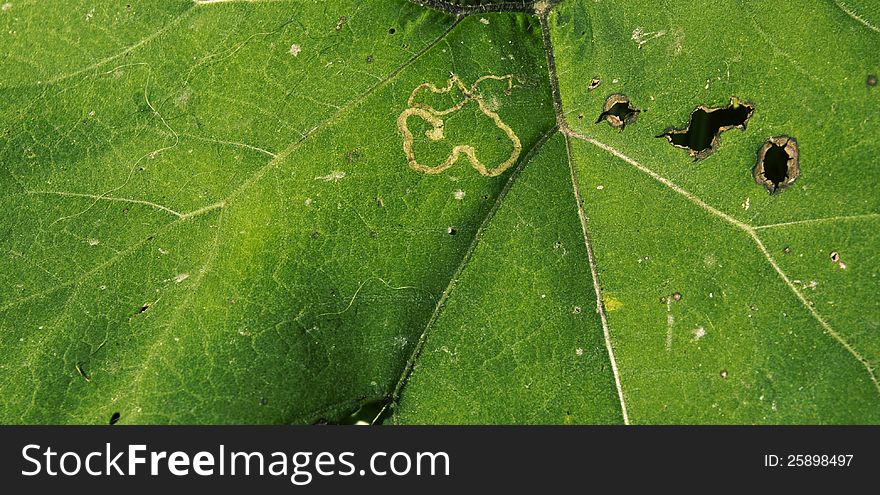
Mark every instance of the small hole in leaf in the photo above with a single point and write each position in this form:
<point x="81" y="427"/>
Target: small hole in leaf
<point x="451" y="231"/>
<point x="392" y="31"/>
<point x="618" y="111"/>
<point x="594" y="83"/>
<point x="777" y="166"/>
<point x="114" y="418"/>
<point x="701" y="136"/>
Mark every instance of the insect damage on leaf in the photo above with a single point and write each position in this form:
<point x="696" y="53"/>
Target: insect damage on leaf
<point x="435" y="119"/>
<point x="618" y="111"/>
<point x="778" y="163"/>
<point x="702" y="135"/>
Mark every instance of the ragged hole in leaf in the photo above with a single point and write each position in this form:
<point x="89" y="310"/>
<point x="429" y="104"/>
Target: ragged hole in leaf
<point x="777" y="166"/>
<point x="618" y="111"/>
<point x="702" y="135"/>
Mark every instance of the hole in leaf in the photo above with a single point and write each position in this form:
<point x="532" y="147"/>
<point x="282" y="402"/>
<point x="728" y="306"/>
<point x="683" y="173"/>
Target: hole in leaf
<point x="114" y="418"/>
<point x="392" y="31"/>
<point x="451" y="231"/>
<point x="777" y="166"/>
<point x="701" y="136"/>
<point x="618" y="111"/>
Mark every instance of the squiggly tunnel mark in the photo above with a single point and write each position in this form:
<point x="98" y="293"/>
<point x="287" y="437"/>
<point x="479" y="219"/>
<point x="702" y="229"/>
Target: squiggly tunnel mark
<point x="434" y="118"/>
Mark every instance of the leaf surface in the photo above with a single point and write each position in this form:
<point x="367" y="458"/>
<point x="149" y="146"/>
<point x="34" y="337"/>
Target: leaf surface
<point x="281" y="211"/>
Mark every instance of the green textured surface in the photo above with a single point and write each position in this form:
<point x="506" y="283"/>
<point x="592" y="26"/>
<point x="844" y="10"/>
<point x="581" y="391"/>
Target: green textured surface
<point x="208" y="215"/>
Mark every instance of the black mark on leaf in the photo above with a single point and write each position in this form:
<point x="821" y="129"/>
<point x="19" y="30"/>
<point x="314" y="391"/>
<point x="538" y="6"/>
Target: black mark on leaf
<point x="777" y="166"/>
<point x="701" y="136"/>
<point x="114" y="418"/>
<point x="594" y="83"/>
<point x="618" y="111"/>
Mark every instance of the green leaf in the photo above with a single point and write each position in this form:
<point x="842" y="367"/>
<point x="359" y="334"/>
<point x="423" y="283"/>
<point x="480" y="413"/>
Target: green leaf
<point x="281" y="212"/>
